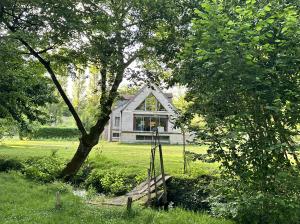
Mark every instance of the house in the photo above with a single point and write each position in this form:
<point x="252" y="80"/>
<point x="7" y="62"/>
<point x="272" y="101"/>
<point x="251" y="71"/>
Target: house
<point x="134" y="118"/>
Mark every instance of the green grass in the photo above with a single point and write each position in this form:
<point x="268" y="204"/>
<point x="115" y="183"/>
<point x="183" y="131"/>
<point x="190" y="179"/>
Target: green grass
<point x="134" y="157"/>
<point x="24" y="201"/>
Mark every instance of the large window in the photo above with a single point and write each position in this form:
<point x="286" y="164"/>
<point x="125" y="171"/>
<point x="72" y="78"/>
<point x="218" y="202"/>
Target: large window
<point x="150" y="122"/>
<point x="151" y="104"/>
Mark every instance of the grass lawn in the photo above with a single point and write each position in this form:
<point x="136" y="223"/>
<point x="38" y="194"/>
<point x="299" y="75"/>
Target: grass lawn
<point x="106" y="154"/>
<point x="24" y="201"/>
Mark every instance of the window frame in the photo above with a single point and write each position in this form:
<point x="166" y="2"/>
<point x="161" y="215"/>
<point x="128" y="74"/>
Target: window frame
<point x="117" y="124"/>
<point x="157" y="119"/>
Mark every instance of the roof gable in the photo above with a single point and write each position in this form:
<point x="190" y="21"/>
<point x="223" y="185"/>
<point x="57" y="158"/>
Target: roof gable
<point x="151" y="103"/>
<point x="145" y="92"/>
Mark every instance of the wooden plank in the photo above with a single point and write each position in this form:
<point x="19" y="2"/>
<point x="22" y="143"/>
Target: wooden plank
<point x="144" y="186"/>
<point x="143" y="190"/>
<point x="144" y="200"/>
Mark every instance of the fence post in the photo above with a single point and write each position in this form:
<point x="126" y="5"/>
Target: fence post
<point x="58" y="200"/>
<point x="129" y="204"/>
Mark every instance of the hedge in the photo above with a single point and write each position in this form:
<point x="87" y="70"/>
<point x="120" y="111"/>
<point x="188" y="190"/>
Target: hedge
<point x="51" y="132"/>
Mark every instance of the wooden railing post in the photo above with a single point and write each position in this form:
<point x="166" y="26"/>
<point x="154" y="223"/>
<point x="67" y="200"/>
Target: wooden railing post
<point x="165" y="200"/>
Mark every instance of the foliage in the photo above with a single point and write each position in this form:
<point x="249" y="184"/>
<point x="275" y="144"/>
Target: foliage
<point x="8" y="164"/>
<point x="245" y="204"/>
<point x="241" y="69"/>
<point x="242" y="85"/>
<point x="128" y="90"/>
<point x="44" y="169"/>
<point x="190" y="193"/>
<point x="58" y="110"/>
<point x="113" y="181"/>
<point x="8" y="127"/>
<point x="55" y="133"/>
<point x="91" y="110"/>
<point x="23" y="89"/>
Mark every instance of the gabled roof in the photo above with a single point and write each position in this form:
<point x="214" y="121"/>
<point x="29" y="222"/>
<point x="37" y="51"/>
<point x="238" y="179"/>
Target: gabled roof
<point x="168" y="96"/>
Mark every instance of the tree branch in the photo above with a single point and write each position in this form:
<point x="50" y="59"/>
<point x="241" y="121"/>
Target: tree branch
<point x="46" y="64"/>
<point x="103" y="74"/>
<point x="132" y="58"/>
<point x="41" y="51"/>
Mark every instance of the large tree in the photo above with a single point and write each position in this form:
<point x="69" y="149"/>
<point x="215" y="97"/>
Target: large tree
<point x="241" y="69"/>
<point x="107" y="33"/>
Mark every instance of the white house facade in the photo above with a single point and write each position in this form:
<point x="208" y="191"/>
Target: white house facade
<point x="135" y="118"/>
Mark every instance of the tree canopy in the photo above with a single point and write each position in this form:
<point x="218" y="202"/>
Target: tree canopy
<point x="24" y="90"/>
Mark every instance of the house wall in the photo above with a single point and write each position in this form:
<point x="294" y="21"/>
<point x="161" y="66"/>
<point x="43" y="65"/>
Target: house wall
<point x="130" y="137"/>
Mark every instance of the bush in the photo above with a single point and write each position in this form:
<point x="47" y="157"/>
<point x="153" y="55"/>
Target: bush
<point x="10" y="164"/>
<point x="116" y="182"/>
<point x="190" y="193"/>
<point x="245" y="204"/>
<point x="45" y="169"/>
<point x="57" y="133"/>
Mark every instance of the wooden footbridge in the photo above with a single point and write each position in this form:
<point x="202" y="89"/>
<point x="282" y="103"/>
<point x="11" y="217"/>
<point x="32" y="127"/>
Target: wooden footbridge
<point x="144" y="193"/>
<point x="154" y="189"/>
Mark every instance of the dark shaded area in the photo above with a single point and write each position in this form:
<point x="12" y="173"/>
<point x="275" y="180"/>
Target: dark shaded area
<point x="189" y="193"/>
<point x="10" y="164"/>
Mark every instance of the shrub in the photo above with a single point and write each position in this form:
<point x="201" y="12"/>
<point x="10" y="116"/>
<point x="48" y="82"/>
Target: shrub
<point x="244" y="203"/>
<point x="190" y="193"/>
<point x="44" y="169"/>
<point x="10" y="164"/>
<point x="116" y="182"/>
<point x="57" y="133"/>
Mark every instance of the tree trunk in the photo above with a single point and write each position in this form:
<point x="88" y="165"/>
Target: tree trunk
<point x="86" y="144"/>
<point x="78" y="159"/>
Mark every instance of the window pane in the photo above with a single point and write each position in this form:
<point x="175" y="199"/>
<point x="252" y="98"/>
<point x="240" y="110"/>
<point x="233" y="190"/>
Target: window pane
<point x="140" y="137"/>
<point x="116" y="135"/>
<point x="139" y="123"/>
<point x="163" y="122"/>
<point x="150" y="123"/>
<point x="153" y="123"/>
<point x="151" y="103"/>
<point x="141" y="106"/>
<point x="148" y="138"/>
<point x="160" y="107"/>
<point x="165" y="138"/>
<point x="117" y="121"/>
<point x="147" y="124"/>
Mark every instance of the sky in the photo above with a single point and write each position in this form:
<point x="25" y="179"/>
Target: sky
<point x="175" y="90"/>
